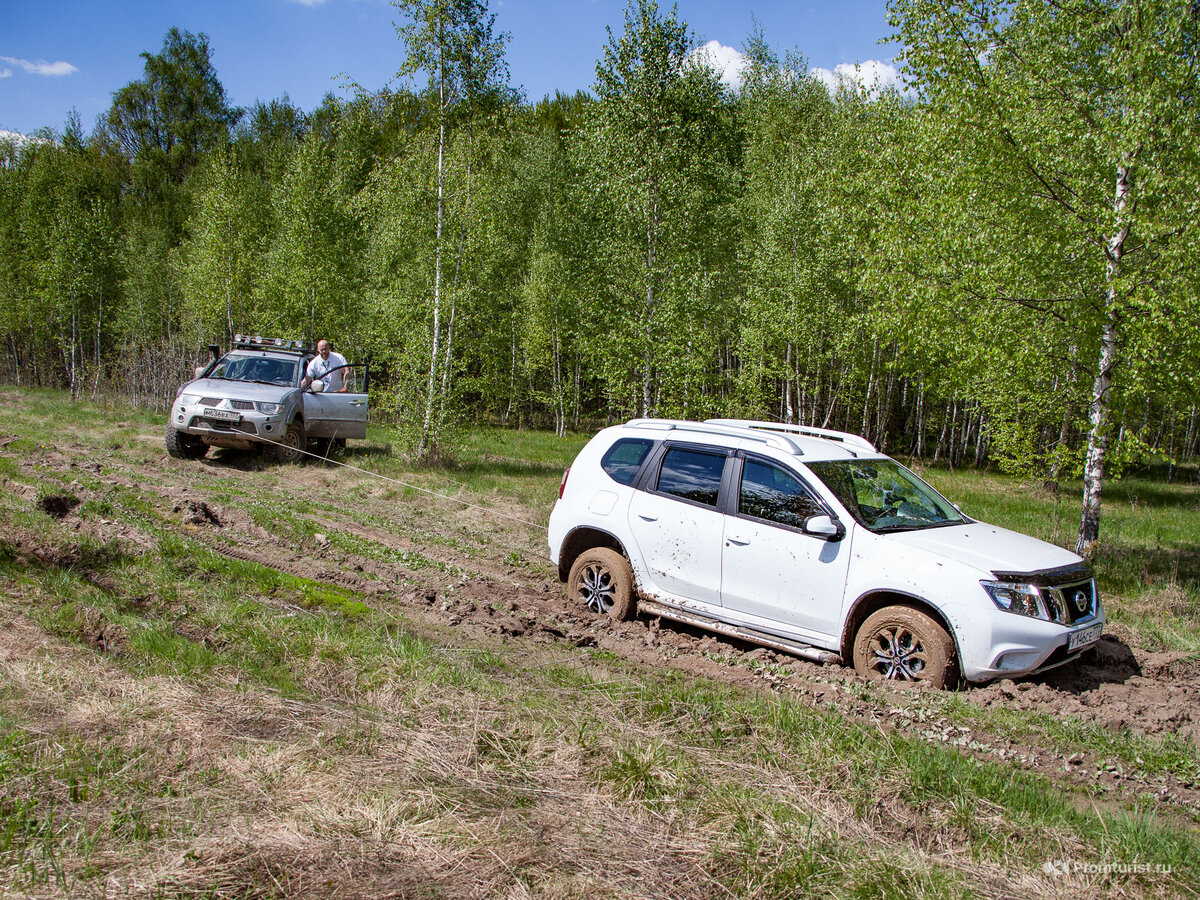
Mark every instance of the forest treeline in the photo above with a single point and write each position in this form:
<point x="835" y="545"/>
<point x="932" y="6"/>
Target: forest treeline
<point x="998" y="264"/>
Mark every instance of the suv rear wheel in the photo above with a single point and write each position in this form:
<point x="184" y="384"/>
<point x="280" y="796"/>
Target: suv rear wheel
<point x="601" y="580"/>
<point x="904" y="644"/>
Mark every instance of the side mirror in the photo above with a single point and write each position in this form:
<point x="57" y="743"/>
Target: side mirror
<point x="317" y="386"/>
<point x="823" y="526"/>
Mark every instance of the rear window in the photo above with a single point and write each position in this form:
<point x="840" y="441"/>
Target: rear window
<point x="691" y="475"/>
<point x="624" y="458"/>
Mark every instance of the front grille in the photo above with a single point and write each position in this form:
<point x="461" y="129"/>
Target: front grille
<point x="210" y="401"/>
<point x="241" y="404"/>
<point x="1070" y="603"/>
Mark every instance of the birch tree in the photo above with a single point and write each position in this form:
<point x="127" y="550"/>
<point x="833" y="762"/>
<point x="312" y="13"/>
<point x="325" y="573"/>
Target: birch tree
<point x="1074" y="124"/>
<point x="453" y="42"/>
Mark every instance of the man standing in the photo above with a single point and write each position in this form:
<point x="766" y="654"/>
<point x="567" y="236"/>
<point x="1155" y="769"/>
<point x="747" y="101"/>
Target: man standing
<point x="327" y="366"/>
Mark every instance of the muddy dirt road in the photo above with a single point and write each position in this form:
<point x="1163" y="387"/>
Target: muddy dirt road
<point x="486" y="575"/>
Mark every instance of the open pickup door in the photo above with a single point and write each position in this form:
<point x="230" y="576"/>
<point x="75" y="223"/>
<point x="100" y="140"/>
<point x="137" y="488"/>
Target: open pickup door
<point x="339" y="414"/>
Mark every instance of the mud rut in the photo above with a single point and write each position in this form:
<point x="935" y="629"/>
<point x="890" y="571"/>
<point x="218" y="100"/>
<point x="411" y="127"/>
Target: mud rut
<point x="463" y="578"/>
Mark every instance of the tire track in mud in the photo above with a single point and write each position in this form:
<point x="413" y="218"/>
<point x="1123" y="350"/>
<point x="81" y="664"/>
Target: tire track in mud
<point x="1151" y="693"/>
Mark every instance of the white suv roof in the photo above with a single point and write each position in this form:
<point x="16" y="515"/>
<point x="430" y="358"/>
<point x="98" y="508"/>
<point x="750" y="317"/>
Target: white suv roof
<point x="812" y="444"/>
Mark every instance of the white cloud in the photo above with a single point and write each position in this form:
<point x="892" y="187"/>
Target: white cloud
<point x="5" y="73"/>
<point x="871" y="76"/>
<point x="41" y="67"/>
<point x="309" y="2"/>
<point x="18" y="140"/>
<point x="725" y="61"/>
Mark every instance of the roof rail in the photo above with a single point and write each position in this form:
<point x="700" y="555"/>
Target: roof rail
<point x="726" y="428"/>
<point x="855" y="441"/>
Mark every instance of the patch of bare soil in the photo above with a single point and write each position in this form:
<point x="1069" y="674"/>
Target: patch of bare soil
<point x="467" y="582"/>
<point x="57" y="506"/>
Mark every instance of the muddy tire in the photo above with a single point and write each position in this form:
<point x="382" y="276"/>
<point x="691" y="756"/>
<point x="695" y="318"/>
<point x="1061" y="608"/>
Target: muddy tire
<point x="601" y="580"/>
<point x="289" y="448"/>
<point x="903" y="644"/>
<point x="183" y="446"/>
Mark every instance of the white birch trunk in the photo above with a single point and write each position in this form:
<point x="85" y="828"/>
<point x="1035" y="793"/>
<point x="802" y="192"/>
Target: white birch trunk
<point x="425" y="440"/>
<point x="1098" y="412"/>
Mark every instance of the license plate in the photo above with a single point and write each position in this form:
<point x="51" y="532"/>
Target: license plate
<point x="224" y="415"/>
<point x="1081" y="639"/>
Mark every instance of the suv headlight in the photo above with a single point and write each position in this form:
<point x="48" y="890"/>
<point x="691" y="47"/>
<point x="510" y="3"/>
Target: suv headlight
<point x="1022" y="599"/>
<point x="187" y="399"/>
<point x="268" y="408"/>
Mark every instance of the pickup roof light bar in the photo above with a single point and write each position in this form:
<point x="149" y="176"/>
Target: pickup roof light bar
<point x="257" y="342"/>
<point x="855" y="441"/>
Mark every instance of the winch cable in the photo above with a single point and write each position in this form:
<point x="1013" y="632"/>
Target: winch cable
<point x="388" y="478"/>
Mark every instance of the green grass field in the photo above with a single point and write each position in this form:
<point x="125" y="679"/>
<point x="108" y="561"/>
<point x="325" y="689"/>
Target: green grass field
<point x="178" y="722"/>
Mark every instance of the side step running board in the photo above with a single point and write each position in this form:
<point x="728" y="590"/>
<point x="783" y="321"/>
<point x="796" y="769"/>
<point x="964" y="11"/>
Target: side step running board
<point x="775" y="642"/>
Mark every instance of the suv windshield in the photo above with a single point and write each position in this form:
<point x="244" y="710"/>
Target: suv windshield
<point x="256" y="368"/>
<point x="884" y="496"/>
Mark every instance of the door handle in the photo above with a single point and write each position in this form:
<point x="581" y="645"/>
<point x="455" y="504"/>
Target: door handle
<point x="646" y="518"/>
<point x="738" y="541"/>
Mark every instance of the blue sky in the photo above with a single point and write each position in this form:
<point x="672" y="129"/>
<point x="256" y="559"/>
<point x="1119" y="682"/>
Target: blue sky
<point x="57" y="55"/>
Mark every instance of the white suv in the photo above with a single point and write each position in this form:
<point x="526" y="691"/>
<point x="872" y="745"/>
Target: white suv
<point x="811" y="541"/>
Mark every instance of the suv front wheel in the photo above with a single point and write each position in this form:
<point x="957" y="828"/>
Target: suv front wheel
<point x="602" y="581"/>
<point x="904" y="644"/>
<point x="290" y="448"/>
<point x="181" y="445"/>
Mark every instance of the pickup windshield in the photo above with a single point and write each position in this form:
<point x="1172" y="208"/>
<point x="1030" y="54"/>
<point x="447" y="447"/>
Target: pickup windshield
<point x="255" y="367"/>
<point x="882" y="495"/>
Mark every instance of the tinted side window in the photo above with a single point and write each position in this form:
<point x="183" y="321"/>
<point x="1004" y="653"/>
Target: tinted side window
<point x="768" y="492"/>
<point x="623" y="459"/>
<point x="692" y="475"/>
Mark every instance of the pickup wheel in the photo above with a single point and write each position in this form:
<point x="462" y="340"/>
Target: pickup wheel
<point x="900" y="643"/>
<point x="181" y="445"/>
<point x="602" y="581"/>
<point x="289" y="448"/>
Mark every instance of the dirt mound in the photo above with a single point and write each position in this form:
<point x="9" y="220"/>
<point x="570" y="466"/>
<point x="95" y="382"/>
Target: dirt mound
<point x="196" y="512"/>
<point x="58" y="506"/>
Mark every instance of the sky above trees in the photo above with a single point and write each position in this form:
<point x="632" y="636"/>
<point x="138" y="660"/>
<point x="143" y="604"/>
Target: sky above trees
<point x="61" y="55"/>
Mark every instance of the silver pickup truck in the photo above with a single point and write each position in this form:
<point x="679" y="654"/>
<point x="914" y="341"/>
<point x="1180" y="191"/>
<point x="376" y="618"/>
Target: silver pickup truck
<point x="255" y="395"/>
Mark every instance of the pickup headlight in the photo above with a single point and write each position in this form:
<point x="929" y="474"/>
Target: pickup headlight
<point x="268" y="408"/>
<point x="186" y="399"/>
<point x="1022" y="599"/>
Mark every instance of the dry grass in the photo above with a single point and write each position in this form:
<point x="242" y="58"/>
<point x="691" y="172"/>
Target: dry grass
<point x="344" y="738"/>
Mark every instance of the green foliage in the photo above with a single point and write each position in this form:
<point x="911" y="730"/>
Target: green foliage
<point x="934" y="269"/>
<point x="223" y="256"/>
<point x="658" y="152"/>
<point x="174" y="114"/>
<point x="1062" y="139"/>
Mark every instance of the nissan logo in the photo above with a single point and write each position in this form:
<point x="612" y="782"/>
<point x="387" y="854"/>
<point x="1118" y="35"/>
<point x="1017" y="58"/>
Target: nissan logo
<point x="1080" y="600"/>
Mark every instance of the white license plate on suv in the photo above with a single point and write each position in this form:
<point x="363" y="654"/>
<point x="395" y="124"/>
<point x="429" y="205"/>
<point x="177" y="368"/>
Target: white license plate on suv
<point x="224" y="415"/>
<point x="1081" y="639"/>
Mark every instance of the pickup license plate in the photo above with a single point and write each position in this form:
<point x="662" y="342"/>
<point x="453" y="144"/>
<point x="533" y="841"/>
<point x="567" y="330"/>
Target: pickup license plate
<point x="223" y="415"/>
<point x="1081" y="639"/>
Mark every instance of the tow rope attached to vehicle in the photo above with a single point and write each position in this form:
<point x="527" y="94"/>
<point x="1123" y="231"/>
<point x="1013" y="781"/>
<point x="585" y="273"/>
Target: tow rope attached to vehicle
<point x="388" y="478"/>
